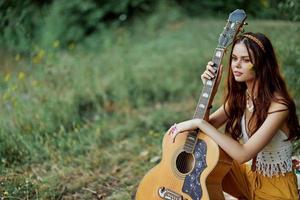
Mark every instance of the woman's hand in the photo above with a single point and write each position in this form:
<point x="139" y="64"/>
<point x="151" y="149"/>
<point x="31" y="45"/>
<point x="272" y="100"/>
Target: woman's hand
<point x="184" y="126"/>
<point x="211" y="73"/>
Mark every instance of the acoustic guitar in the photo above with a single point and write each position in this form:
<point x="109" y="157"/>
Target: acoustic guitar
<point x="193" y="167"/>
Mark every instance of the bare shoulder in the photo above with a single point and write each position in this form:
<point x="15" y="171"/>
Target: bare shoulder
<point x="278" y="105"/>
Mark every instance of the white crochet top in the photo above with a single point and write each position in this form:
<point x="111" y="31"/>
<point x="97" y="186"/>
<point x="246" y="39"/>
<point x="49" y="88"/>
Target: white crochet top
<point x="275" y="157"/>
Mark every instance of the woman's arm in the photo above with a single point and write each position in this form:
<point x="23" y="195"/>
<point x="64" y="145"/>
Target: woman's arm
<point x="218" y="118"/>
<point x="241" y="152"/>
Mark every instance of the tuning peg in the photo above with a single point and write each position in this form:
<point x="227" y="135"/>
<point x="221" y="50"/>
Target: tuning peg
<point x="242" y="30"/>
<point x="245" y="23"/>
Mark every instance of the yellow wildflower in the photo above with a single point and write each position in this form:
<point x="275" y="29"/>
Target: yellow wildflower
<point x="21" y="75"/>
<point x="14" y="88"/>
<point x="56" y="43"/>
<point x="39" y="56"/>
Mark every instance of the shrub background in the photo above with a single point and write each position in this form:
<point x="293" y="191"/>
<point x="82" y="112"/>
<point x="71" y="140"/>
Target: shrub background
<point x="28" y="23"/>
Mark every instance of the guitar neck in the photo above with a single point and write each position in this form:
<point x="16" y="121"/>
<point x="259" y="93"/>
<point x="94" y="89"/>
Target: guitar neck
<point x="231" y="29"/>
<point x="205" y="98"/>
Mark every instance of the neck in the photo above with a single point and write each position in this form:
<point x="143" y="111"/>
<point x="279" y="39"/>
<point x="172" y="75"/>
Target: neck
<point x="252" y="90"/>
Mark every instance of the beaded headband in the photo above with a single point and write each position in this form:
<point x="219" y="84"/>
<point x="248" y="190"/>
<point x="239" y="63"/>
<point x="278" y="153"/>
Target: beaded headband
<point x="254" y="39"/>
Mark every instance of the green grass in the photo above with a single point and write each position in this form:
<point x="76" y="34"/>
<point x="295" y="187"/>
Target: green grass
<point x="87" y="122"/>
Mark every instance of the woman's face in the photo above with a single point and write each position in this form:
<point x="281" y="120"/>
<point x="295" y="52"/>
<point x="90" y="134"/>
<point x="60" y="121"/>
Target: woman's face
<point x="241" y="66"/>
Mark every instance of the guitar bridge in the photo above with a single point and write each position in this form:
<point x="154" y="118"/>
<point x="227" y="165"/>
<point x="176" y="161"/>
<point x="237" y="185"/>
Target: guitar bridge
<point x="168" y="194"/>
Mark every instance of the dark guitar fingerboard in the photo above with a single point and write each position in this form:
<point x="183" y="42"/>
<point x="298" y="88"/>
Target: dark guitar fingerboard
<point x="205" y="97"/>
<point x="204" y="100"/>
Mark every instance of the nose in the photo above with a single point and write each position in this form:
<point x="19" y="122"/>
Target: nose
<point x="237" y="64"/>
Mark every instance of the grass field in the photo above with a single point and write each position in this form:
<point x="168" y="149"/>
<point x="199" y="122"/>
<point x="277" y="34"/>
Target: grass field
<point x="87" y="123"/>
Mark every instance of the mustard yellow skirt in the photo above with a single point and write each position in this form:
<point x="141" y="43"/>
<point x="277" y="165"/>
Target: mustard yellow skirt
<point x="243" y="183"/>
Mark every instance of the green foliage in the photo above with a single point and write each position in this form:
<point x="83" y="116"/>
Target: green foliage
<point x="29" y="23"/>
<point x="13" y="148"/>
<point x="290" y="9"/>
<point x="14" y="187"/>
<point x="18" y="20"/>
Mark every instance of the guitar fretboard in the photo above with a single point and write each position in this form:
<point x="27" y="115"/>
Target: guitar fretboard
<point x="190" y="142"/>
<point x="204" y="99"/>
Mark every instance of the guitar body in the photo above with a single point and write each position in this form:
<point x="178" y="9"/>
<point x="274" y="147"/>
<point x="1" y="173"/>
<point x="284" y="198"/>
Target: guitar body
<point x="186" y="176"/>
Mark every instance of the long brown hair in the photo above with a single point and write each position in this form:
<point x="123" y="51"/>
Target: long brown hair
<point x="269" y="82"/>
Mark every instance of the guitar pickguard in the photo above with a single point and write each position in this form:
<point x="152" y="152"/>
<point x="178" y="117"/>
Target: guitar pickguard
<point x="192" y="185"/>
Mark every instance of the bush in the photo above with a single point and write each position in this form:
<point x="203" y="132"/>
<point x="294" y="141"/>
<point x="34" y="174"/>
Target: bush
<point x="28" y="23"/>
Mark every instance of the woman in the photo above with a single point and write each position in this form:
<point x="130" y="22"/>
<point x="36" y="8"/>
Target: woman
<point x="260" y="116"/>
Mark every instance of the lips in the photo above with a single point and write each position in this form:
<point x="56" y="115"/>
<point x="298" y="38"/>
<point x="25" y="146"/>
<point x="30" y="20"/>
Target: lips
<point x="237" y="73"/>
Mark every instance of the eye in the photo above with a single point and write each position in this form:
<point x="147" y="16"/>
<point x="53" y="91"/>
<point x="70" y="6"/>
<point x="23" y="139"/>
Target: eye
<point x="234" y="58"/>
<point x="246" y="60"/>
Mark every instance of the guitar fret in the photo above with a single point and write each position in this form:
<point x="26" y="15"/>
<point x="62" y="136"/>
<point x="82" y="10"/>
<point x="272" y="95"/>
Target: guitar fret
<point x="189" y="147"/>
<point x="190" y="143"/>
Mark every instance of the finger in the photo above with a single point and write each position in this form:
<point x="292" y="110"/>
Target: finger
<point x="207" y="77"/>
<point x="211" y="69"/>
<point x="173" y="137"/>
<point x="172" y="129"/>
<point x="210" y="63"/>
<point x="175" y="131"/>
<point x="209" y="74"/>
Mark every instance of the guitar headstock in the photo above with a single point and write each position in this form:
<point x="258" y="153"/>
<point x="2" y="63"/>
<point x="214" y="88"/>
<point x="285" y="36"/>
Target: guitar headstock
<point x="233" y="26"/>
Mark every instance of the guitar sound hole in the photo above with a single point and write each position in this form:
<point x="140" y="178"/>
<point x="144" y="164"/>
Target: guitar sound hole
<point x="185" y="162"/>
